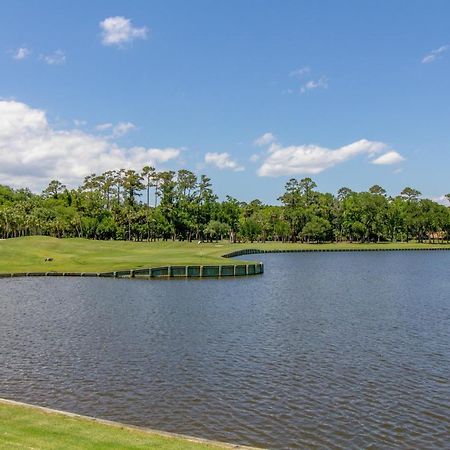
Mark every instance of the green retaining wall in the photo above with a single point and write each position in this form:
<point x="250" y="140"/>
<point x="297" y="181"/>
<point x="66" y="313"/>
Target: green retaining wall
<point x="210" y="271"/>
<point x="159" y="272"/>
<point x="141" y="272"/>
<point x="227" y="271"/>
<point x="177" y="271"/>
<point x="193" y="271"/>
<point x="122" y="273"/>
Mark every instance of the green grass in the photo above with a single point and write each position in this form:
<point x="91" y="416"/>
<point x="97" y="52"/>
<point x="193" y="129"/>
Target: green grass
<point x="27" y="254"/>
<point x="23" y="427"/>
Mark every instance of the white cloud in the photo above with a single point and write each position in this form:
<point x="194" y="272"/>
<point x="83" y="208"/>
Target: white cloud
<point x="56" y="58"/>
<point x="444" y="199"/>
<point x="119" y="31"/>
<point x="104" y="126"/>
<point x="300" y="72"/>
<point x="79" y="123"/>
<point x="321" y="83"/>
<point x="118" y="130"/>
<point x="123" y="128"/>
<point x="263" y="140"/>
<point x="222" y="161"/>
<point x="32" y="152"/>
<point x="389" y="158"/>
<point x="313" y="159"/>
<point x="434" y="54"/>
<point x="21" y="53"/>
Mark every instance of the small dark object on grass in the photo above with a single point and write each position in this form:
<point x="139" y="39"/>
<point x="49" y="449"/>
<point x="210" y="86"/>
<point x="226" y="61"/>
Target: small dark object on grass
<point x="48" y="259"/>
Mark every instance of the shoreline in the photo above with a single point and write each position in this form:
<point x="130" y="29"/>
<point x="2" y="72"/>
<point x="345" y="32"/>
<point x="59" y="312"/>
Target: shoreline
<point x="211" y="255"/>
<point x="113" y="425"/>
<point x="165" y="272"/>
<point x="256" y="251"/>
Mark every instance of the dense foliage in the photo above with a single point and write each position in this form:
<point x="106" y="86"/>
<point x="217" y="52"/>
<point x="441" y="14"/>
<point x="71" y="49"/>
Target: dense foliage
<point x="182" y="206"/>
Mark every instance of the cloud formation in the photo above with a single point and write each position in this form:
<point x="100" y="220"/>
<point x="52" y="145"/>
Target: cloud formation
<point x="21" y="53"/>
<point x="306" y="86"/>
<point x="300" y="72"/>
<point x="56" y="58"/>
<point x="104" y="126"/>
<point x="119" y="31"/>
<point x="321" y="83"/>
<point x="313" y="159"/>
<point x="389" y="158"/>
<point x="123" y="128"/>
<point x="118" y="130"/>
<point x="79" y="122"/>
<point x="223" y="161"/>
<point x="263" y="140"/>
<point x="434" y="54"/>
<point x="442" y="199"/>
<point x="32" y="152"/>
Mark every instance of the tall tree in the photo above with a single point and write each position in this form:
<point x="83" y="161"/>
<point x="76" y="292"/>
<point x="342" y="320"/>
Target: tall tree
<point x="148" y="176"/>
<point x="54" y="189"/>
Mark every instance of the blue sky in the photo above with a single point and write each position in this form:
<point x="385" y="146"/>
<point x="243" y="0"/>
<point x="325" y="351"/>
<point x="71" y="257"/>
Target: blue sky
<point x="349" y="93"/>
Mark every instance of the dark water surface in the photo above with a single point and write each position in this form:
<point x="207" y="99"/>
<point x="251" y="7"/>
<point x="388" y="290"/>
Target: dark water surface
<point x="326" y="350"/>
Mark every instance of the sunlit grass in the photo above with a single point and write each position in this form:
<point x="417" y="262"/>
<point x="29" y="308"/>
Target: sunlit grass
<point x="28" y="254"/>
<point x="23" y="427"/>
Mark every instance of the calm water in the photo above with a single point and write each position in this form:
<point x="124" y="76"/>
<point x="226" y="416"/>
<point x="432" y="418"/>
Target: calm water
<point x="326" y="350"/>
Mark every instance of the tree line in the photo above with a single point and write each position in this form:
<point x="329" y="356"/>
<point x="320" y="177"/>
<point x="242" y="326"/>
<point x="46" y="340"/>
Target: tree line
<point x="151" y="205"/>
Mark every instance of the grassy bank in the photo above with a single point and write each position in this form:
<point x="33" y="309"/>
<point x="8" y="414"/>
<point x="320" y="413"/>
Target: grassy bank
<point x="80" y="255"/>
<point x="33" y="428"/>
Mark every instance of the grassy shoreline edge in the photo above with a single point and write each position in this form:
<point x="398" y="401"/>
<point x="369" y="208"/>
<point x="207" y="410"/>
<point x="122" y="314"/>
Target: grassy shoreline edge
<point x="26" y="256"/>
<point x="64" y="424"/>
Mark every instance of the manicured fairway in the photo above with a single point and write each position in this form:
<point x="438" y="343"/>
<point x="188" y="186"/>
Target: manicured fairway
<point x="23" y="427"/>
<point x="28" y="254"/>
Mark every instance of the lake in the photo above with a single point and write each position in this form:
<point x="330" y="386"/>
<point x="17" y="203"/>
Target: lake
<point x="325" y="350"/>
